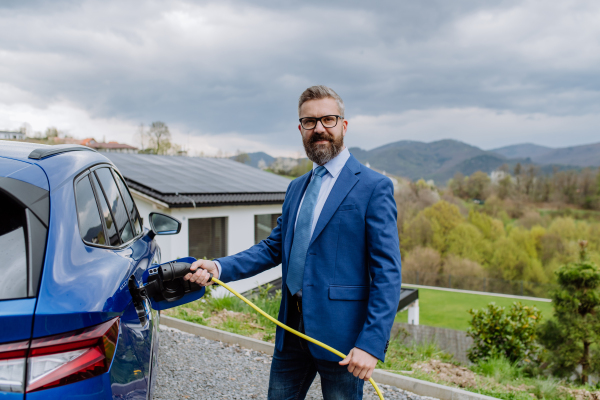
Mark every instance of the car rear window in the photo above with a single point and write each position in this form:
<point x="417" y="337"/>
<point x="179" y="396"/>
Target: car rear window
<point x="90" y="225"/>
<point x="13" y="250"/>
<point x="111" y="229"/>
<point x="115" y="203"/>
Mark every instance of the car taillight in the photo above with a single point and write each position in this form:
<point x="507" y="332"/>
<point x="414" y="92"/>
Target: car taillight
<point x="71" y="357"/>
<point x="12" y="366"/>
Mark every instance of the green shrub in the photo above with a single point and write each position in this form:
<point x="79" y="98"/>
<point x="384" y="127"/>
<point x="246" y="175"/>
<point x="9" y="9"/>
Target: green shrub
<point x="497" y="333"/>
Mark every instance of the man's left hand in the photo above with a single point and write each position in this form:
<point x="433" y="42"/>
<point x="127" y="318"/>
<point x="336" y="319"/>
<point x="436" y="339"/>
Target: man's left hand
<point x="360" y="363"/>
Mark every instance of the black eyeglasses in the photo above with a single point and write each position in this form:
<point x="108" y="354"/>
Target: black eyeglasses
<point x="328" y="121"/>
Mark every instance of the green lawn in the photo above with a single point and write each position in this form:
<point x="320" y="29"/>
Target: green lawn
<point x="450" y="309"/>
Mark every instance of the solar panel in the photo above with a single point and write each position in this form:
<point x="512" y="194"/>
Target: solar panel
<point x="176" y="174"/>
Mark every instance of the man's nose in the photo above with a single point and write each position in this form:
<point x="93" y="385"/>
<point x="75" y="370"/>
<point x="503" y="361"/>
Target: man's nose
<point x="319" y="127"/>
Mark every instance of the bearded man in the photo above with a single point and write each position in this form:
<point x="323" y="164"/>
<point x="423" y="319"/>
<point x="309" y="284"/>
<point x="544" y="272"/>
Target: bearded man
<point x="337" y="242"/>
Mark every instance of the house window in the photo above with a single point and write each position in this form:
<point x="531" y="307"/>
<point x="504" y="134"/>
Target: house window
<point x="208" y="237"/>
<point x="263" y="225"/>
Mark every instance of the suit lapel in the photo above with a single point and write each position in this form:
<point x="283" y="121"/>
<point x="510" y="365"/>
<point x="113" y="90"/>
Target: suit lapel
<point x="295" y="198"/>
<point x="340" y="190"/>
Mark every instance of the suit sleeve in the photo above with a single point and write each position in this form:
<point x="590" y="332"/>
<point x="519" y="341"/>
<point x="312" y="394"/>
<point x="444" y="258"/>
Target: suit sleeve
<point x="384" y="269"/>
<point x="258" y="258"/>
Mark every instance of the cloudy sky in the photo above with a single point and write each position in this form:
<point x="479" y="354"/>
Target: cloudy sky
<point x="226" y="75"/>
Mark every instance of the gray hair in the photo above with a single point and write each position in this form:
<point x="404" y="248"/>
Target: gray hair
<point x="321" y="92"/>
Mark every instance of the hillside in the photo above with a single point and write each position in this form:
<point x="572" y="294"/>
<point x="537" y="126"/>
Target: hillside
<point x="587" y="155"/>
<point x="523" y="150"/>
<point x="438" y="160"/>
<point x="582" y="156"/>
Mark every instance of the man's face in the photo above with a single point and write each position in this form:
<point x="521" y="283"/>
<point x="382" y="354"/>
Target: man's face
<point x="322" y="144"/>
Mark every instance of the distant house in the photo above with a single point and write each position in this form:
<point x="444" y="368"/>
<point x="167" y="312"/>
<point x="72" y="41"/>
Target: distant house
<point x="112" y="147"/>
<point x="224" y="206"/>
<point x="12" y="135"/>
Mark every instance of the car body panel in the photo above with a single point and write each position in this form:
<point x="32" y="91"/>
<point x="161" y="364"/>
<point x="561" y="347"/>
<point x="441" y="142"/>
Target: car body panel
<point x="16" y="318"/>
<point x="24" y="171"/>
<point x="11" y="396"/>
<point x="97" y="388"/>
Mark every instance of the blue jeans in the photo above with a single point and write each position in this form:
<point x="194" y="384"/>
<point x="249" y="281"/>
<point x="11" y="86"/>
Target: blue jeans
<point x="294" y="369"/>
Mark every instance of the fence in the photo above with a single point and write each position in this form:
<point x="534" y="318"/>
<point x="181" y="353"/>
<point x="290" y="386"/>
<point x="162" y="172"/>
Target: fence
<point x="448" y="340"/>
<point x="480" y="284"/>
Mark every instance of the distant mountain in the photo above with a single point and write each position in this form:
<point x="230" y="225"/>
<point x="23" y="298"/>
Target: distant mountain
<point x="523" y="150"/>
<point x="587" y="155"/>
<point x="442" y="159"/>
<point x="436" y="160"/>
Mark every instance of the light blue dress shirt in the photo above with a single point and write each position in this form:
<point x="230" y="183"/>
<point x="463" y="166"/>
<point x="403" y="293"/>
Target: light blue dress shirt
<point x="334" y="168"/>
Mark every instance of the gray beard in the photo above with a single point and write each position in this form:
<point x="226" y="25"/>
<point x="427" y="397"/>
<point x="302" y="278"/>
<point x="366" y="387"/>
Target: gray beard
<point x="322" y="153"/>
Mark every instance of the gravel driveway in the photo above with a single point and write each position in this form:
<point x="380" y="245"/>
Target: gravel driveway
<point x="193" y="367"/>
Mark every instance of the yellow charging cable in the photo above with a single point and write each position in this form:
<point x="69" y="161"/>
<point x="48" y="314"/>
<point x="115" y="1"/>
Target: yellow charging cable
<point x="295" y="332"/>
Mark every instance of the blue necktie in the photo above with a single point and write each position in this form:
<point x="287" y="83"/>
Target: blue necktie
<point x="302" y="234"/>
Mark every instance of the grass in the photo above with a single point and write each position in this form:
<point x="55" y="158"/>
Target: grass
<point x="450" y="309"/>
<point x="230" y="314"/>
<point x="496" y="377"/>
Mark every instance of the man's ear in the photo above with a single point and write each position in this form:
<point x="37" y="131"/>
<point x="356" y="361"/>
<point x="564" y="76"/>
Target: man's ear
<point x="344" y="127"/>
<point x="300" y="128"/>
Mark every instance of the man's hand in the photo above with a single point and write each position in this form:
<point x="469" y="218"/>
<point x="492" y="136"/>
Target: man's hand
<point x="360" y="363"/>
<point x="203" y="270"/>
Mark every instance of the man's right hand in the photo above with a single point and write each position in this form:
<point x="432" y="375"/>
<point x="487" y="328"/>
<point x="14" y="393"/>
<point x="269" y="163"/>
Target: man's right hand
<point x="203" y="269"/>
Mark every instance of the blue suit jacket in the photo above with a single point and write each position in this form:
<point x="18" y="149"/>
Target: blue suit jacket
<point x="352" y="274"/>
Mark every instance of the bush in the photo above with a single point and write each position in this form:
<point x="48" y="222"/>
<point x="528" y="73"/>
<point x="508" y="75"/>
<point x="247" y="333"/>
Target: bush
<point x="497" y="333"/>
<point x="454" y="265"/>
<point x="426" y="261"/>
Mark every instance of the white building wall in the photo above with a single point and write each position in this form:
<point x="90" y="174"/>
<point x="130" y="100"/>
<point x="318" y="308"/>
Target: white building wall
<point x="240" y="232"/>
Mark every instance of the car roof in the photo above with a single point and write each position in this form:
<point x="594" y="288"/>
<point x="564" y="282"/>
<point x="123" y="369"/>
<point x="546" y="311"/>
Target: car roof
<point x="59" y="162"/>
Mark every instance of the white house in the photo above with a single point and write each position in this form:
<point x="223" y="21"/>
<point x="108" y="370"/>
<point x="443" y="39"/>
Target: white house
<point x="12" y="135"/>
<point x="224" y="206"/>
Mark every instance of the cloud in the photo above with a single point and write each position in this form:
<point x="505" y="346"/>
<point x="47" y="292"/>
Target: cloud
<point x="232" y="71"/>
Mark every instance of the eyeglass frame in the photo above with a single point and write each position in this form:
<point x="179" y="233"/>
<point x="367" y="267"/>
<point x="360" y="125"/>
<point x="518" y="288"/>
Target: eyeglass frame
<point x="338" y="117"/>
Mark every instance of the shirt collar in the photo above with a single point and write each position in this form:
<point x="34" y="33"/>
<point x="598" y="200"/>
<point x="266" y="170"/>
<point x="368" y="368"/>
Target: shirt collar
<point x="335" y="165"/>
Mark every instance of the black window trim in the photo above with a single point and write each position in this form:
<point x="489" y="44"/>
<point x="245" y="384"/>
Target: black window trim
<point x="80" y="176"/>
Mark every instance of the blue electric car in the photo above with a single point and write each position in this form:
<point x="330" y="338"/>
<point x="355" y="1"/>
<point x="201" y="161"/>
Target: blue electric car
<point x="80" y="278"/>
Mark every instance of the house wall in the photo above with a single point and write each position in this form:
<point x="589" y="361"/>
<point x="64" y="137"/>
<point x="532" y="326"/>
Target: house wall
<point x="240" y="232"/>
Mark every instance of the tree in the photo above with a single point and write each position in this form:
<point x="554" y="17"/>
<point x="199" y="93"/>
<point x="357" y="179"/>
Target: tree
<point x="517" y="174"/>
<point x="573" y="337"/>
<point x="504" y="187"/>
<point x="159" y="138"/>
<point x="243" y="158"/>
<point x="52" y="132"/>
<point x="477" y="185"/>
<point x="303" y="167"/>
<point x="142" y="136"/>
<point x="457" y="185"/>
<point x="443" y="217"/>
